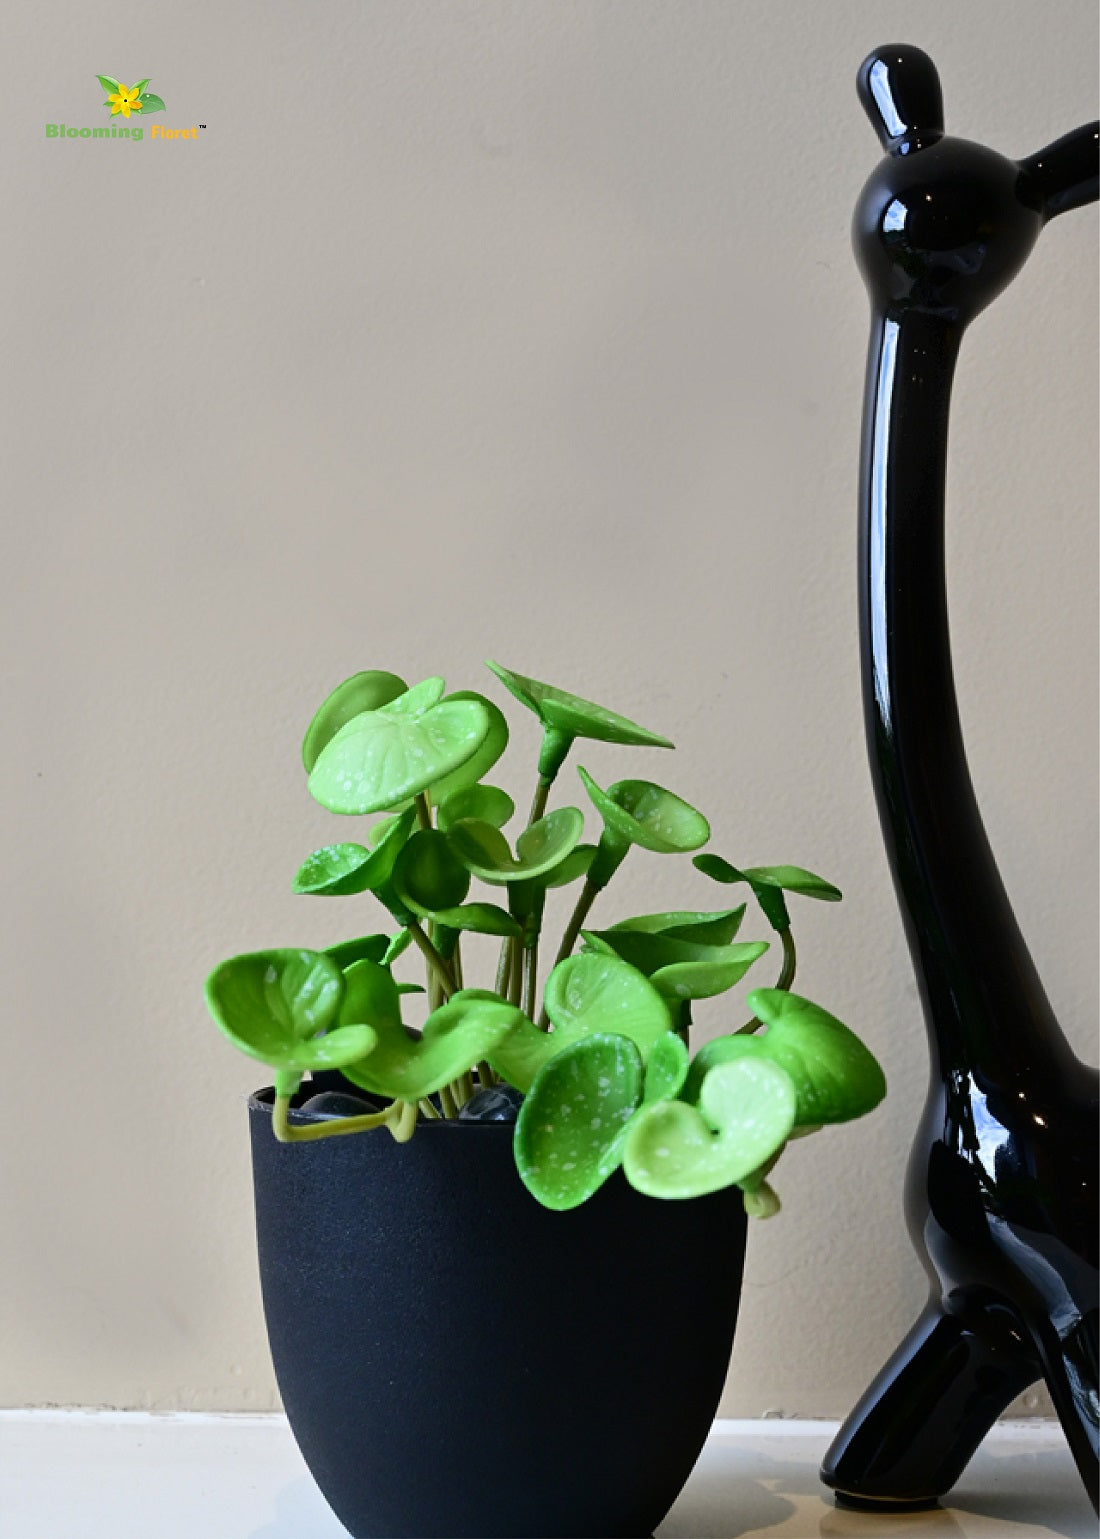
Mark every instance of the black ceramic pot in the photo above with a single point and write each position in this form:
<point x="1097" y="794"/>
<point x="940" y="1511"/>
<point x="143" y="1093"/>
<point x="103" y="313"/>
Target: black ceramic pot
<point x="456" y="1360"/>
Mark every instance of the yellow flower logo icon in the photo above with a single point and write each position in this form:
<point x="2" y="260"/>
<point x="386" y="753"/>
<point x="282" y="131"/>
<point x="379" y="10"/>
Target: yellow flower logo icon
<point x="127" y="99"/>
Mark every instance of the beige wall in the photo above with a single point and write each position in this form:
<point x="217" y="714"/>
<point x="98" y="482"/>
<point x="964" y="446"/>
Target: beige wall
<point x="526" y="330"/>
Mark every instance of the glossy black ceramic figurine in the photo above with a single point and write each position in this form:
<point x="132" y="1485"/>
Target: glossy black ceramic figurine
<point x="1001" y="1195"/>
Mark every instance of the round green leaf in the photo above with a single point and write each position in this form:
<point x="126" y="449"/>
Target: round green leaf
<point x="484" y="851"/>
<point x="282" y="1006"/>
<point x="709" y="929"/>
<point x="590" y="993"/>
<point x="371" y="996"/>
<point x="571" y="715"/>
<point x="372" y="947"/>
<point x="362" y="692"/>
<point x="383" y="757"/>
<point x="484" y="756"/>
<point x="835" y="1076"/>
<point x="711" y="1054"/>
<point x="487" y="804"/>
<point x="481" y="918"/>
<point x="427" y="875"/>
<point x="570" y="1129"/>
<point x="575" y="865"/>
<point x="341" y="869"/>
<point x="455" y="1037"/>
<point x="666" y="1070"/>
<point x="639" y="812"/>
<point x="746" y="1114"/>
<point x="680" y="969"/>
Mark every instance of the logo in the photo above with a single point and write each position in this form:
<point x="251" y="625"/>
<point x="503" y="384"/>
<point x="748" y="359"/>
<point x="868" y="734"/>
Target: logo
<point x="126" y="99"/>
<point x="126" y="107"/>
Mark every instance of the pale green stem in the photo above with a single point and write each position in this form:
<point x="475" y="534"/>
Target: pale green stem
<point x="538" y="806"/>
<point x="405" y="1126"/>
<point x="432" y="956"/>
<point x="447" y="1102"/>
<point x="515" y="974"/>
<point x="530" y="977"/>
<point x="286" y="1134"/>
<point x="569" y="939"/>
<point x="423" y="810"/>
<point x="456" y="964"/>
<point x="487" y="1076"/>
<point x="428" y="1110"/>
<point x="504" y="968"/>
<point x="784" y="981"/>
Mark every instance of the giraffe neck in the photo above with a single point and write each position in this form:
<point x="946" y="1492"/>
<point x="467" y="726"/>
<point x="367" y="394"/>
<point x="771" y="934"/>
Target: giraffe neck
<point x="984" y="1005"/>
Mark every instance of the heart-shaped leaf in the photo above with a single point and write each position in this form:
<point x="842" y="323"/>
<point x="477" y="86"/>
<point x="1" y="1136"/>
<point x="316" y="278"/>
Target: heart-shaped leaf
<point x="150" y="102"/>
<point x="427" y="875"/>
<point x="341" y="869"/>
<point x="484" y="851"/>
<point x="486" y="804"/>
<point x="570" y="1128"/>
<point x="455" y="1037"/>
<point x="282" y="1007"/>
<point x="680" y="969"/>
<point x="836" y="1078"/>
<point x="380" y="758"/>
<point x="109" y="84"/>
<point x="484" y="756"/>
<point x="362" y="692"/>
<point x="745" y="1116"/>
<point x="708" y="929"/>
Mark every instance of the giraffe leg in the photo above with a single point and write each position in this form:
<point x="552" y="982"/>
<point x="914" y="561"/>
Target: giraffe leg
<point x="913" y="1432"/>
<point x="1070" y="1369"/>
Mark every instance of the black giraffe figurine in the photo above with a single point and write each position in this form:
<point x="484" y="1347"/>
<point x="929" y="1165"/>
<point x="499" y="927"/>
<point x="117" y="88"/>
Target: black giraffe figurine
<point x="1002" y="1187"/>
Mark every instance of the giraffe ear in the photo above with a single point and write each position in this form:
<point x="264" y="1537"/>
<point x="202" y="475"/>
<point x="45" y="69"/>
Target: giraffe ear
<point x="900" y="91"/>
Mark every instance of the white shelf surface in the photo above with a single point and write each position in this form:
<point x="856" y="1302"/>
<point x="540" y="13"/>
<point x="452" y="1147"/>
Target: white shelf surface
<point x="129" y="1475"/>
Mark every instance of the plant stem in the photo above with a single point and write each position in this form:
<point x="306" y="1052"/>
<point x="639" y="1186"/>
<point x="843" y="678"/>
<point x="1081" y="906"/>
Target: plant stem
<point x="784" y="981"/>
<point x="334" y="1129"/>
<point x="573" y="929"/>
<point x="428" y="1110"/>
<point x="538" y="806"/>
<point x="447" y="1103"/>
<point x="487" y="1075"/>
<point x="432" y="956"/>
<point x="515" y="973"/>
<point x="530" y="977"/>
<point x="456" y="963"/>
<point x="423" y="810"/>
<point x="405" y="1126"/>
<point x="504" y="968"/>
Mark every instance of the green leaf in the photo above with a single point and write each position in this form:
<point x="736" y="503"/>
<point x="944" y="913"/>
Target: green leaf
<point x="590" y="993"/>
<point x="109" y="84"/>
<point x="487" y="804"/>
<point x="745" y="1116"/>
<point x="666" y="1070"/>
<point x="708" y="929"/>
<point x="372" y="947"/>
<point x="362" y="692"/>
<point x="835" y="1076"/>
<point x="140" y="87"/>
<point x="427" y="875"/>
<point x="380" y="758"/>
<point x="340" y="869"/>
<point x="484" y="757"/>
<point x="571" y="715"/>
<point x="711" y="1054"/>
<point x="680" y="969"/>
<point x="481" y="918"/>
<point x="793" y="879"/>
<point x="373" y="997"/>
<point x="150" y="103"/>
<point x="282" y="1007"/>
<point x="575" y="865"/>
<point x="639" y="812"/>
<point x="334" y="871"/>
<point x="455" y="1037"/>
<point x="571" y="1126"/>
<point x="484" y="851"/>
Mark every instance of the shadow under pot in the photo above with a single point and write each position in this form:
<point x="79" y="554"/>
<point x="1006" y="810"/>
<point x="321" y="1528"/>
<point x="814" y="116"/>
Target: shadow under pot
<point x="456" y="1360"/>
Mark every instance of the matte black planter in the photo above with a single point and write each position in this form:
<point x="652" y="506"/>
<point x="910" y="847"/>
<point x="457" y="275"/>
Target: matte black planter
<point x="456" y="1360"/>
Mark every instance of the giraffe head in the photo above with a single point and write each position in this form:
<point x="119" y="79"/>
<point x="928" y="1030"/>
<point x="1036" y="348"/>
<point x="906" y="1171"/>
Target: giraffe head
<point x="943" y="224"/>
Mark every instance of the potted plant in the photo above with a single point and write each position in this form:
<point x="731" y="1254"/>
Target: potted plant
<point x="496" y="1314"/>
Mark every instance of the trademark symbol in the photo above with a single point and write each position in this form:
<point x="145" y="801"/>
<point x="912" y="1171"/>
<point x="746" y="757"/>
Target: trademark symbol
<point x="202" y="125"/>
